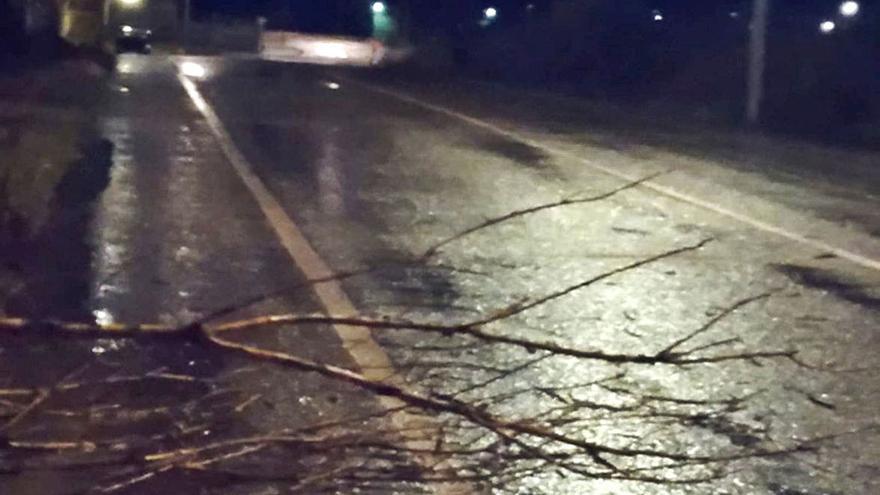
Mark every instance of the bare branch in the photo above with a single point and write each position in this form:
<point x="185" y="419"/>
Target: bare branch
<point x="433" y="250"/>
<point x="711" y="323"/>
<point x="523" y="307"/>
<point x="476" y="440"/>
<point x="42" y="395"/>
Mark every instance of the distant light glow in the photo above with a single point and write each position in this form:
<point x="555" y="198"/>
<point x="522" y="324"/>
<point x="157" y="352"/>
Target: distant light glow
<point x="658" y="15"/>
<point x="530" y="6"/>
<point x="849" y="8"/>
<point x="378" y="7"/>
<point x="491" y="13"/>
<point x="127" y="29"/>
<point x="192" y="69"/>
<point x="827" y="26"/>
<point x="734" y="15"/>
<point x="131" y="3"/>
<point x="332" y="85"/>
<point x="330" y="50"/>
<point x="102" y="317"/>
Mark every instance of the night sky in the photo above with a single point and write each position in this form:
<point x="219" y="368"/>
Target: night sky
<point x="353" y="15"/>
<point x="327" y="6"/>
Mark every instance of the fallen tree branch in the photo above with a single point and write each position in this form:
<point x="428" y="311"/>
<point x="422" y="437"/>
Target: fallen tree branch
<point x="711" y="323"/>
<point x="558" y="437"/>
<point x="433" y="250"/>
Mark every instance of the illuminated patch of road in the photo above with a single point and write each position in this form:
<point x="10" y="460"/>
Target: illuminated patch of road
<point x="369" y="356"/>
<point x="706" y="204"/>
<point x="356" y="340"/>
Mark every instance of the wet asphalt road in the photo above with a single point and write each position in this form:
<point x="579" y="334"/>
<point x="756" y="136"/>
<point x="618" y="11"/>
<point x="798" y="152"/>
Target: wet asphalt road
<point x="171" y="233"/>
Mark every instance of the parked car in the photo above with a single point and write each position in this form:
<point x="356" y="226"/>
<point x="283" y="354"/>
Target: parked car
<point x="133" y="40"/>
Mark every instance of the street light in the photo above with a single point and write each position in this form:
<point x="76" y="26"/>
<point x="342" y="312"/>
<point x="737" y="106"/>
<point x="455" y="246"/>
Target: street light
<point x="827" y="27"/>
<point x="378" y="7"/>
<point x="131" y="3"/>
<point x="490" y="13"/>
<point x="849" y="8"/>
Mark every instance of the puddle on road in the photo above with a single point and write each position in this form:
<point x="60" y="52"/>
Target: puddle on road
<point x="56" y="261"/>
<point x="283" y="146"/>
<point x="779" y="489"/>
<point x="516" y="151"/>
<point x="832" y="283"/>
<point x="419" y="287"/>
<point x="739" y="434"/>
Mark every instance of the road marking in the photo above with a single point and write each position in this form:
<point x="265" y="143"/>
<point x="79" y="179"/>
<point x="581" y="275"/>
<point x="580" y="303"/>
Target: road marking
<point x="358" y="341"/>
<point x="820" y="245"/>
<point x="373" y="361"/>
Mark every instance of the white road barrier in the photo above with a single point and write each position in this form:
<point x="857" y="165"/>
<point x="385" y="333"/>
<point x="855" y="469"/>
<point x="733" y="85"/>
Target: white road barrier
<point x="283" y="46"/>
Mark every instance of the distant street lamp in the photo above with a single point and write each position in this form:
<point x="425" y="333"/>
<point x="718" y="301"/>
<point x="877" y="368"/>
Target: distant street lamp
<point x="827" y="27"/>
<point x="490" y="13"/>
<point x="385" y="26"/>
<point x="849" y="8"/>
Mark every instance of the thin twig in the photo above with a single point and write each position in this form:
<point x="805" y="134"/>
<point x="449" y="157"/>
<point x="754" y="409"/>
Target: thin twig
<point x="42" y="396"/>
<point x="711" y="323"/>
<point x="523" y="307"/>
<point x="433" y="250"/>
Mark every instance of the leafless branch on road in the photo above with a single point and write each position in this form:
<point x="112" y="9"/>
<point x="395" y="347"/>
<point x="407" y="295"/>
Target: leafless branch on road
<point x="492" y="222"/>
<point x="470" y="429"/>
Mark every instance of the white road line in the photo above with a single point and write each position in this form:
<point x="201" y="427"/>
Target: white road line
<point x="358" y="342"/>
<point x="756" y="223"/>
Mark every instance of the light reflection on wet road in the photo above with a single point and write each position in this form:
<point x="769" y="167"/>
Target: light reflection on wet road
<point x="425" y="177"/>
<point x="422" y="176"/>
<point x="375" y="182"/>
